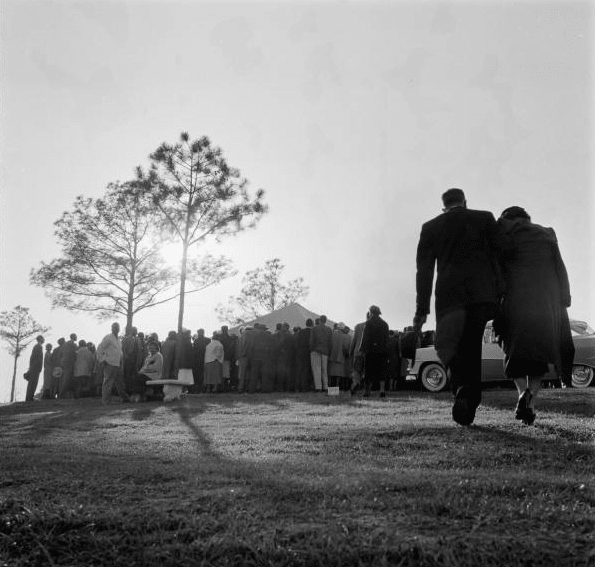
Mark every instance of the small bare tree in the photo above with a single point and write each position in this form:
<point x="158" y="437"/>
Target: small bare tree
<point x="262" y="292"/>
<point x="18" y="329"/>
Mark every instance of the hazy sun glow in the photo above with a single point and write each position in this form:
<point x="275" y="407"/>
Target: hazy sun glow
<point x="171" y="253"/>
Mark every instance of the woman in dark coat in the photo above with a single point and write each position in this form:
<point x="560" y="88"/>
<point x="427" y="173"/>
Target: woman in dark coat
<point x="533" y="326"/>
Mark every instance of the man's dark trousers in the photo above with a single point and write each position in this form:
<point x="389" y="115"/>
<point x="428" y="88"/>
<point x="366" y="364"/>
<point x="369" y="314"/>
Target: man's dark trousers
<point x="465" y="367"/>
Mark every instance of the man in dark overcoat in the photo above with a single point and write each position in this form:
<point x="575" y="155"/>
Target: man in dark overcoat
<point x="462" y="244"/>
<point x="374" y="345"/>
<point x="35" y="367"/>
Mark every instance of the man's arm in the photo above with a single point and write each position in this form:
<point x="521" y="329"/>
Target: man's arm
<point x="426" y="261"/>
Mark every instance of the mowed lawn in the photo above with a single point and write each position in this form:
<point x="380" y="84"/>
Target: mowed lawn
<point x="298" y="479"/>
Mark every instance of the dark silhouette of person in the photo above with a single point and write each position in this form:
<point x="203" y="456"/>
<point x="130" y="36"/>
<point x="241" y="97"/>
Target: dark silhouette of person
<point x="461" y="244"/>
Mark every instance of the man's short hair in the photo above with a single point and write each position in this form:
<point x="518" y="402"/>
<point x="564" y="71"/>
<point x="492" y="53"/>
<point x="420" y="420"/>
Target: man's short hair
<point x="453" y="196"/>
<point x="323" y="319"/>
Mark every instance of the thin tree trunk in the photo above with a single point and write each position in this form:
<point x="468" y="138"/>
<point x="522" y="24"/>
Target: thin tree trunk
<point x="14" y="376"/>
<point x="182" y="286"/>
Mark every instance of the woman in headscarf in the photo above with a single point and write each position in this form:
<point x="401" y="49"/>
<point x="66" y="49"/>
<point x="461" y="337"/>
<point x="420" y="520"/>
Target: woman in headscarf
<point x="533" y="324"/>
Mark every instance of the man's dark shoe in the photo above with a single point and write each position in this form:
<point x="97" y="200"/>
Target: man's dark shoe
<point x="462" y="410"/>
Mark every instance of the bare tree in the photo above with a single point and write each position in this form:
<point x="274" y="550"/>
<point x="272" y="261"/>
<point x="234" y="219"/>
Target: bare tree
<point x="198" y="196"/>
<point x="18" y="329"/>
<point x="262" y="292"/>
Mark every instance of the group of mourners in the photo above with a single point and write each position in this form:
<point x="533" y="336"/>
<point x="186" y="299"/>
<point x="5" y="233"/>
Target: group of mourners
<point x="256" y="359"/>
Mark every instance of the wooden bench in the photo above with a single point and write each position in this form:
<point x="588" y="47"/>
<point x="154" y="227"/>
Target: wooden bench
<point x="172" y="389"/>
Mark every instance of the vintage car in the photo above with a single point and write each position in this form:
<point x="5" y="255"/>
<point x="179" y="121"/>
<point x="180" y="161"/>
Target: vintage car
<point x="428" y="371"/>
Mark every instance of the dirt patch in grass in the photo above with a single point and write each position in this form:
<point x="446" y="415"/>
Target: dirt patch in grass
<point x="298" y="480"/>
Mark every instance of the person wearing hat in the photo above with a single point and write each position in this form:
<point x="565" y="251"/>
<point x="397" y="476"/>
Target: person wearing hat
<point x="461" y="245"/>
<point x="375" y="348"/>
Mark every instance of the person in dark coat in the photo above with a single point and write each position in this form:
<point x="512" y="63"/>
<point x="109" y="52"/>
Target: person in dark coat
<point x="462" y="244"/>
<point x="130" y="347"/>
<point x="357" y="356"/>
<point x="35" y="367"/>
<point x="285" y="353"/>
<point x="67" y="360"/>
<point x="321" y="342"/>
<point x="185" y="356"/>
<point x="394" y="361"/>
<point x="303" y="365"/>
<point x="534" y="326"/>
<point x="46" y="389"/>
<point x="262" y="347"/>
<point x="168" y="351"/>
<point x="375" y="348"/>
<point x="228" y="350"/>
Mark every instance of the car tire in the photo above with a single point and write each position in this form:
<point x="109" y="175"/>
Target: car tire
<point x="582" y="376"/>
<point x="433" y="378"/>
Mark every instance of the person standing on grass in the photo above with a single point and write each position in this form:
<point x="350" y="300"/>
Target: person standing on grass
<point x="35" y="368"/>
<point x="303" y="364"/>
<point x="321" y="342"/>
<point x="199" y="346"/>
<point x="336" y="359"/>
<point x="169" y="350"/>
<point x="130" y="353"/>
<point x="57" y="368"/>
<point x="214" y="357"/>
<point x="83" y="369"/>
<point x="533" y="326"/>
<point x="261" y="353"/>
<point x="109" y="355"/>
<point x="67" y="360"/>
<point x="462" y="245"/>
<point x="185" y="356"/>
<point x="375" y="348"/>
<point x="243" y="362"/>
<point x="46" y="388"/>
<point x="357" y="357"/>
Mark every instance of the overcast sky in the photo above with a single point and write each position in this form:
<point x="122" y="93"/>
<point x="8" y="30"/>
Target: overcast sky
<point x="354" y="117"/>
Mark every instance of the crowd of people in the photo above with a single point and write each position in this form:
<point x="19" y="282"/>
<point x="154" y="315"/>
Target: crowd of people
<point x="253" y="359"/>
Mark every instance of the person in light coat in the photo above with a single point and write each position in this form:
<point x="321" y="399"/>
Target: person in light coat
<point x="109" y="355"/>
<point x="214" y="356"/>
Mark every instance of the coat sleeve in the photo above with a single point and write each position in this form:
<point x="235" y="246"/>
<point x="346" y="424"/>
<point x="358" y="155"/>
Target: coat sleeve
<point x="562" y="274"/>
<point x="426" y="261"/>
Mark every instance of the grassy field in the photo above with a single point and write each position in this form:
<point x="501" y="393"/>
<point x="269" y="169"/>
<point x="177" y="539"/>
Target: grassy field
<point x="298" y="479"/>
